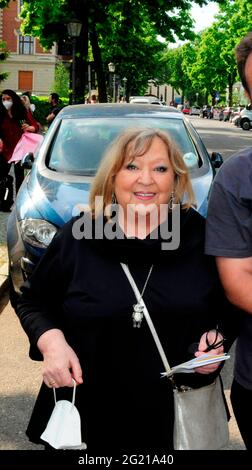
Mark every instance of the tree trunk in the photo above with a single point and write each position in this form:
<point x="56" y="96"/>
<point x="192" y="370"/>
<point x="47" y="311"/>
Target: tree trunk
<point x="231" y="81"/>
<point x="80" y="11"/>
<point x="98" y="67"/>
<point x="81" y="60"/>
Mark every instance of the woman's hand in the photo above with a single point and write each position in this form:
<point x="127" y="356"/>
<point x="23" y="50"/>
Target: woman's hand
<point x="25" y="127"/>
<point x="60" y="361"/>
<point x="211" y="336"/>
<point x="1" y="145"/>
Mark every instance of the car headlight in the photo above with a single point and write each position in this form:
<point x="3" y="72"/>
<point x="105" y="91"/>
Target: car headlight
<point x="37" y="232"/>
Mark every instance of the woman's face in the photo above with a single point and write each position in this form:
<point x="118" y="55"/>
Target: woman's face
<point x="146" y="181"/>
<point x="7" y="101"/>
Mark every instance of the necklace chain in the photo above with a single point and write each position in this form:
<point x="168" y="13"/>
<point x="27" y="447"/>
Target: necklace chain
<point x="146" y="282"/>
<point x="138" y="308"/>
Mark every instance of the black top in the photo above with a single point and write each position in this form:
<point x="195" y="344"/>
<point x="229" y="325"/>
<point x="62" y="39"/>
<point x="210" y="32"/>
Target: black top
<point x="54" y="110"/>
<point x="80" y="287"/>
<point x="229" y="234"/>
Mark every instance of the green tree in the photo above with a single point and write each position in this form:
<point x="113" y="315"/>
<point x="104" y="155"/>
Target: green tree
<point x="3" y="56"/>
<point x="215" y="66"/>
<point x="61" y="82"/>
<point x="120" y="31"/>
<point x="234" y="22"/>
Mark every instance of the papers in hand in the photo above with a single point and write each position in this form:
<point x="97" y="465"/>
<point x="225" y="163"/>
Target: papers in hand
<point x="203" y="360"/>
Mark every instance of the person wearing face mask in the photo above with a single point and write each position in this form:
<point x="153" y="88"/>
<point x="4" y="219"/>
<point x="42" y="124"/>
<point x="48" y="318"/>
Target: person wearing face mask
<point x="14" y="120"/>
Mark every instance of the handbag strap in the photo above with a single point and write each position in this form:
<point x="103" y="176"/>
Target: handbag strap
<point x="148" y="319"/>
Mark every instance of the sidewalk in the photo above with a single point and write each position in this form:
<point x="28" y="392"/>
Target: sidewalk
<point x="4" y="265"/>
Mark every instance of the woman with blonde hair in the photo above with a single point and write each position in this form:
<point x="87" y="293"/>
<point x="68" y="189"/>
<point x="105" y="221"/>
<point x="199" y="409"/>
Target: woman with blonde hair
<point x="79" y="309"/>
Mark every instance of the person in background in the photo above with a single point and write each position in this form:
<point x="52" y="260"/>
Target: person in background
<point x="77" y="308"/>
<point x="29" y="95"/>
<point x="26" y="101"/>
<point x="55" y="107"/>
<point x="229" y="238"/>
<point x="93" y="99"/>
<point x="27" y="104"/>
<point x="14" y="120"/>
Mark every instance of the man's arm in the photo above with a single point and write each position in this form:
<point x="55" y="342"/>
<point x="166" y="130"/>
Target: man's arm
<point x="50" y="117"/>
<point x="236" y="277"/>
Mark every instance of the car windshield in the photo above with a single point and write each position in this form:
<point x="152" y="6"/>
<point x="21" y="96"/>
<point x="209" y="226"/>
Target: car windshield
<point x="80" y="143"/>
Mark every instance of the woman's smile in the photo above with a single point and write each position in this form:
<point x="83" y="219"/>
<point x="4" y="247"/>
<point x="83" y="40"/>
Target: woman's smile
<point x="144" y="196"/>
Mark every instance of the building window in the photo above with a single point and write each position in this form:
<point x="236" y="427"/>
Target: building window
<point x="26" y="44"/>
<point x="25" y="80"/>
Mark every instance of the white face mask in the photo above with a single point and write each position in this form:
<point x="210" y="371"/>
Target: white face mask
<point x="63" y="430"/>
<point x="7" y="104"/>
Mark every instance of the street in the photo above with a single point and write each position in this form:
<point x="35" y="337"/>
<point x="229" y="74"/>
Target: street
<point x="20" y="377"/>
<point x="222" y="137"/>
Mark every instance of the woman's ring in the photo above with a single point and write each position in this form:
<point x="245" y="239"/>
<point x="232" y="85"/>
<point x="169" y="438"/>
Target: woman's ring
<point x="52" y="383"/>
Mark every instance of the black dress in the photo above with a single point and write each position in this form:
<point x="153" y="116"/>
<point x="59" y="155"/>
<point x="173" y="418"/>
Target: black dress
<point x="80" y="287"/>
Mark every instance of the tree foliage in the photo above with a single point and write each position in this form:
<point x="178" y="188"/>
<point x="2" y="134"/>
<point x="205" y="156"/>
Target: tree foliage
<point x="207" y="64"/>
<point x="125" y="32"/>
<point x="61" y="81"/>
<point x="3" y="56"/>
<point x="121" y="31"/>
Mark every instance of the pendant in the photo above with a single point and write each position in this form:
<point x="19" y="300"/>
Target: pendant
<point x="137" y="315"/>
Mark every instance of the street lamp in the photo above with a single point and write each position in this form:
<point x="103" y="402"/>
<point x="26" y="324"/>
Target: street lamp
<point x="111" y="67"/>
<point x="124" y="86"/>
<point x="74" y="29"/>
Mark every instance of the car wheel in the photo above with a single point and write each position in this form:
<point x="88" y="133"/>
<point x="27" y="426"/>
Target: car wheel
<point x="245" y="125"/>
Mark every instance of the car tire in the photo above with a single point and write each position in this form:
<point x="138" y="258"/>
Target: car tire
<point x="245" y="124"/>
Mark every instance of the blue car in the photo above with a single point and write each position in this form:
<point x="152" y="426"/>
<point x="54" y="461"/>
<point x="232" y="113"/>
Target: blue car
<point x="57" y="187"/>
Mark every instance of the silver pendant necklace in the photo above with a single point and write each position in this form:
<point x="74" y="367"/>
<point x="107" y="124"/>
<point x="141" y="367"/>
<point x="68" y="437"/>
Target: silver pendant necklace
<point x="138" y="314"/>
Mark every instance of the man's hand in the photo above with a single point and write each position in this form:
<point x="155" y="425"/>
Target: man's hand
<point x="203" y="345"/>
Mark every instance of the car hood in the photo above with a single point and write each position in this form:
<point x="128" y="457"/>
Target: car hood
<point x="52" y="200"/>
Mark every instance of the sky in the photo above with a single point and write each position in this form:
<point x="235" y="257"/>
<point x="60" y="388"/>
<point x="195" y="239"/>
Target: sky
<point x="204" y="16"/>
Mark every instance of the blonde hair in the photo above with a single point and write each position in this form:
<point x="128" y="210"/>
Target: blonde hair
<point x="133" y="143"/>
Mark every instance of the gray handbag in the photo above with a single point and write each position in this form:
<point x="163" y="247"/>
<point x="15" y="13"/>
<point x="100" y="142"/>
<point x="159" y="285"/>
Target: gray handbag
<point x="200" y="415"/>
<point x="200" y="421"/>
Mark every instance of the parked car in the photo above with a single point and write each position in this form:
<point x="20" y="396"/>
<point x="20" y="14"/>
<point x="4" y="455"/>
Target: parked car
<point x="195" y="110"/>
<point x="57" y="187"/>
<point x="227" y="113"/>
<point x="245" y="120"/>
<point x="179" y="107"/>
<point x="186" y="110"/>
<point x="145" y="100"/>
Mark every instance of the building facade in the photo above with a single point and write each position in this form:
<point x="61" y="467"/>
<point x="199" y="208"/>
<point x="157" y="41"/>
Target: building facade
<point x="165" y="93"/>
<point x="29" y="66"/>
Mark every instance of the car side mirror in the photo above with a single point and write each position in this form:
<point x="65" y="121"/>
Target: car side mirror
<point x="27" y="161"/>
<point x="216" y="159"/>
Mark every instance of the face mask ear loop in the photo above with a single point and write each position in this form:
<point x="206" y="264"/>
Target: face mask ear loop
<point x="74" y="392"/>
